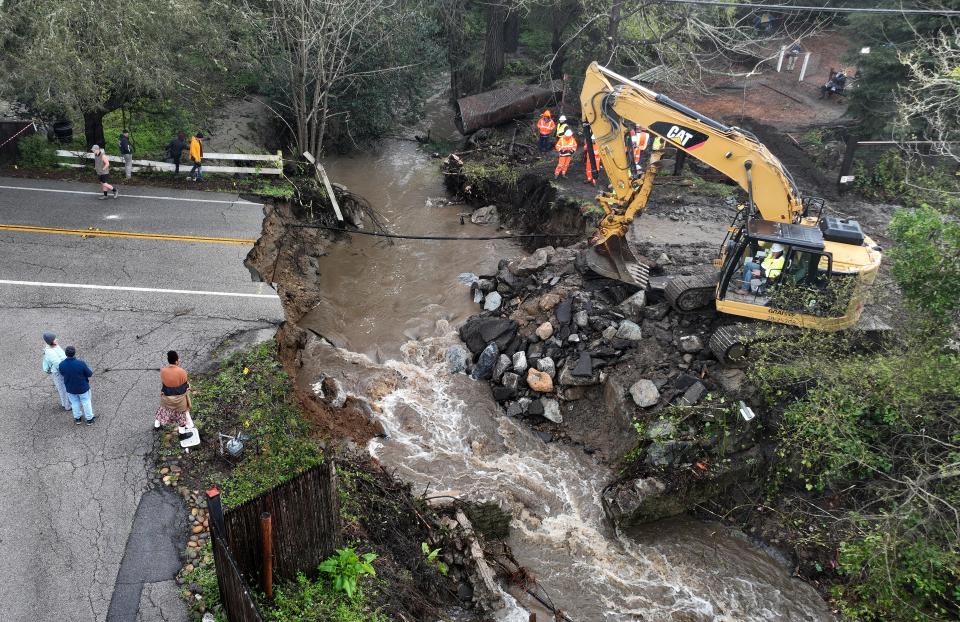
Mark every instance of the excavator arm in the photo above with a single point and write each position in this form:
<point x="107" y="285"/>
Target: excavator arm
<point x="611" y="103"/>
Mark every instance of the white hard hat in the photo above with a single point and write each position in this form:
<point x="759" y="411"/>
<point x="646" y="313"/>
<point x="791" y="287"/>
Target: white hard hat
<point x="593" y="136"/>
<point x="568" y="133"/>
<point x="562" y="118"/>
<point x="776" y="248"/>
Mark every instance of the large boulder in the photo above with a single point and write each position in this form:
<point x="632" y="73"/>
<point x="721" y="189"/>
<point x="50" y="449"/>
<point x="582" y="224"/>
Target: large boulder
<point x="629" y="331"/>
<point x="485" y="216"/>
<point x="633" y="306"/>
<point x="479" y="331"/>
<point x="525" y="266"/>
<point x="488" y="358"/>
<point x="644" y="393"/>
<point x="456" y="357"/>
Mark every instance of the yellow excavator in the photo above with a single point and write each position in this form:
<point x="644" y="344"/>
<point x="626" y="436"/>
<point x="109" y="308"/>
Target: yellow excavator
<point x="827" y="263"/>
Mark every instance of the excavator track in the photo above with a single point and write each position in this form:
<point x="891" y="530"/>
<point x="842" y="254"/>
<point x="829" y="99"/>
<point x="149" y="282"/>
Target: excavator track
<point x="689" y="293"/>
<point x="731" y="344"/>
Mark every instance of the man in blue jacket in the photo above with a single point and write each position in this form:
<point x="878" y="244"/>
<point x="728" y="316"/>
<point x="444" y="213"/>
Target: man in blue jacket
<point x="75" y="374"/>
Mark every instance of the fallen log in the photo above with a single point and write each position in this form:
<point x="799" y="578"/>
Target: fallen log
<point x="500" y="105"/>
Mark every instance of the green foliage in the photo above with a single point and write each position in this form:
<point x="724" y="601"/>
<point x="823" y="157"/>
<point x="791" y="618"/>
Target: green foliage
<point x="926" y="260"/>
<point x="278" y="190"/>
<point x="896" y="575"/>
<point x="346" y="568"/>
<point x="36" y="152"/>
<point x="151" y="125"/>
<point x="873" y="100"/>
<point x="170" y="48"/>
<point x="702" y="187"/>
<point x="432" y="558"/>
<point x="317" y="601"/>
<point x="252" y="393"/>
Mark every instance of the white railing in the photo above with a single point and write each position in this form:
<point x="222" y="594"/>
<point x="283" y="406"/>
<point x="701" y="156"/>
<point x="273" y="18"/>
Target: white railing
<point x="273" y="163"/>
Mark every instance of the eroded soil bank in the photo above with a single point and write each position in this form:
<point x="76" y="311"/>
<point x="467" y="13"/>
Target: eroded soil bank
<point x="417" y="413"/>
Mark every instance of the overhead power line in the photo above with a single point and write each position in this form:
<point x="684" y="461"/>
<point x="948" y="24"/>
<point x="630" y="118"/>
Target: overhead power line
<point x="815" y="9"/>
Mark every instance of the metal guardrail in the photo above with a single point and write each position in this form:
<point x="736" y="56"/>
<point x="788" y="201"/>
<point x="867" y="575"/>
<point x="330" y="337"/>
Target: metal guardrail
<point x="273" y="163"/>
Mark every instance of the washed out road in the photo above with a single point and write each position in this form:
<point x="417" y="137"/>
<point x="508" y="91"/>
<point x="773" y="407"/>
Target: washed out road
<point x="83" y="536"/>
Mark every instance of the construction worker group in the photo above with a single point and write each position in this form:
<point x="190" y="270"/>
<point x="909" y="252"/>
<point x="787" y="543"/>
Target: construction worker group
<point x="558" y="136"/>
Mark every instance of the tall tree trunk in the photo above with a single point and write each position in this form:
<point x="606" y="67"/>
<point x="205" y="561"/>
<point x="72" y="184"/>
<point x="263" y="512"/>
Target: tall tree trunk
<point x="452" y="12"/>
<point x="493" y="47"/>
<point x="93" y="128"/>
<point x="613" y="29"/>
<point x="556" y="43"/>
<point x="511" y="32"/>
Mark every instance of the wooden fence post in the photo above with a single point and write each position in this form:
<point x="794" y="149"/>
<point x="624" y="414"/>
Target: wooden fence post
<point x="215" y="509"/>
<point x="266" y="541"/>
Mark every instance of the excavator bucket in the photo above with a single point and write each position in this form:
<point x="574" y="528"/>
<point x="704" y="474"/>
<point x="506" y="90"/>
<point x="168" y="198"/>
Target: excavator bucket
<point x="615" y="259"/>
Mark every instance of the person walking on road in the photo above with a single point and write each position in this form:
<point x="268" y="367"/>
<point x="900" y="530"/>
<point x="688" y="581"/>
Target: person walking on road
<point x="102" y="165"/>
<point x="566" y="147"/>
<point x="53" y="355"/>
<point x="175" y="150"/>
<point x="126" y="150"/>
<point x="196" y="156"/>
<point x="76" y="378"/>
<point x="174" y="394"/>
<point x="545" y="128"/>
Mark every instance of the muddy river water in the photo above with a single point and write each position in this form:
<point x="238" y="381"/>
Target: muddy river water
<point x="395" y="308"/>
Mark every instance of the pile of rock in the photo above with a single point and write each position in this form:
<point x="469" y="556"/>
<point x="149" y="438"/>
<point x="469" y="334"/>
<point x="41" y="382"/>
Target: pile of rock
<point x="562" y="346"/>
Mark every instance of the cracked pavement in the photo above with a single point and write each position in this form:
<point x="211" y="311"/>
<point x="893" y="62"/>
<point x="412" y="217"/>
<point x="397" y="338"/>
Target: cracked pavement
<point x="71" y="493"/>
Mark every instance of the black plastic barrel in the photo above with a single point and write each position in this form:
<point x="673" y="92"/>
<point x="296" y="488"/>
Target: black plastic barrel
<point x="63" y="131"/>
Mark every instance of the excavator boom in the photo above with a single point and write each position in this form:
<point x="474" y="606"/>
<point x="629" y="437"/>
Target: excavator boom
<point x="610" y="101"/>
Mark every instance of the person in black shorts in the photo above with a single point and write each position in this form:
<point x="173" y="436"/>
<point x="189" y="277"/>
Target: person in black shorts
<point x="102" y="166"/>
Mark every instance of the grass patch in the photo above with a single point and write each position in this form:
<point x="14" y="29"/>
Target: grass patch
<point x="280" y="190"/>
<point x="483" y="175"/>
<point x="706" y="188"/>
<point x="253" y="395"/>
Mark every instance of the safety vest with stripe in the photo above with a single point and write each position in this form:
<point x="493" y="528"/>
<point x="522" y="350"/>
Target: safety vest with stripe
<point x="561" y="128"/>
<point x="567" y="145"/>
<point x="545" y="126"/>
<point x="773" y="266"/>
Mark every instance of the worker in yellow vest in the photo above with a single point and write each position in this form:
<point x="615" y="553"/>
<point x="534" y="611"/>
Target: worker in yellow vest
<point x="566" y="147"/>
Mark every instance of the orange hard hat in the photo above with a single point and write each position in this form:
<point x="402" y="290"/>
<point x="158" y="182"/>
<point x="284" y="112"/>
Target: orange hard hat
<point x="546" y="113"/>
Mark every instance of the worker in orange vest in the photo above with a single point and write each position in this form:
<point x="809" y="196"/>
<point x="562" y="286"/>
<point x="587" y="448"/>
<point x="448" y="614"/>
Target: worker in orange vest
<point x="591" y="177"/>
<point x="640" y="141"/>
<point x="566" y="147"/>
<point x="545" y="127"/>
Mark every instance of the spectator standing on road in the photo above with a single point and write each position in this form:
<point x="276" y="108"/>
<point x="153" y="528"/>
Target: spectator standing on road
<point x="102" y="166"/>
<point x="196" y="156"/>
<point x="174" y="394"/>
<point x="126" y="150"/>
<point x="53" y="355"/>
<point x="76" y="375"/>
<point x="175" y="150"/>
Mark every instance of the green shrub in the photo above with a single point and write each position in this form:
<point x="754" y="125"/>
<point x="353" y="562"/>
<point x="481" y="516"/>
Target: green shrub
<point x="926" y="260"/>
<point x="317" y="601"/>
<point x="36" y="152"/>
<point x="346" y="568"/>
<point x="151" y="128"/>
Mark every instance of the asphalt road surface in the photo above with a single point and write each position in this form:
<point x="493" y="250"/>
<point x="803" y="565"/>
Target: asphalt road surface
<point x="82" y="534"/>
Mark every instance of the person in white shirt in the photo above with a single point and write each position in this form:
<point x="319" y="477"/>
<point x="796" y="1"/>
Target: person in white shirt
<point x="53" y="354"/>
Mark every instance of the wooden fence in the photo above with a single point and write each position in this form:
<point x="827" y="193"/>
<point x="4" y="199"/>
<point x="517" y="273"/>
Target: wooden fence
<point x="238" y="602"/>
<point x="306" y="526"/>
<point x="305" y="518"/>
<point x="273" y="163"/>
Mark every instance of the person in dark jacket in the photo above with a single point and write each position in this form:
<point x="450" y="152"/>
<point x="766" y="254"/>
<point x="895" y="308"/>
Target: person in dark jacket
<point x="175" y="150"/>
<point x="76" y="375"/>
<point x="126" y="150"/>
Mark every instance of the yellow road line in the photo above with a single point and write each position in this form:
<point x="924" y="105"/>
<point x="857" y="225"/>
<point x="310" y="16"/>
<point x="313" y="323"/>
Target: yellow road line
<point x="127" y="234"/>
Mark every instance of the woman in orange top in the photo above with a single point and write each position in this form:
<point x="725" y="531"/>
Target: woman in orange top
<point x="174" y="395"/>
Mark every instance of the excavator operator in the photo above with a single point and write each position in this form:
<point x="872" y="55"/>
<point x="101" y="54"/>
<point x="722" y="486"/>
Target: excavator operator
<point x="769" y="269"/>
